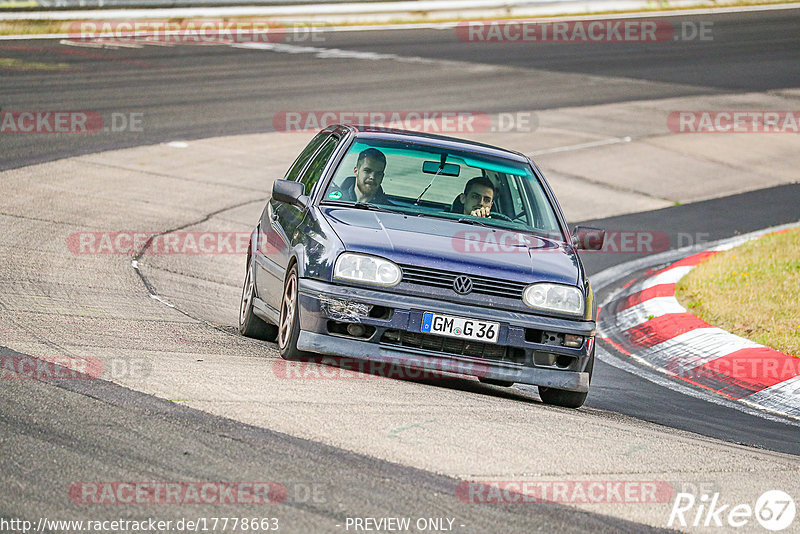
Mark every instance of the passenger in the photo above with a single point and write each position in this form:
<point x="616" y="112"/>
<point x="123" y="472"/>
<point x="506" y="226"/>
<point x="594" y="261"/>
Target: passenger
<point x="478" y="197"/>
<point x="365" y="185"/>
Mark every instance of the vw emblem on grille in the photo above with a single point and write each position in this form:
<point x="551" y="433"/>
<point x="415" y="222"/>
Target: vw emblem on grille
<point x="462" y="284"/>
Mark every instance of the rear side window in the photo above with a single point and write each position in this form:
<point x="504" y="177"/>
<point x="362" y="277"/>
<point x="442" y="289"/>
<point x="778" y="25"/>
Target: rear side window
<point x="305" y="155"/>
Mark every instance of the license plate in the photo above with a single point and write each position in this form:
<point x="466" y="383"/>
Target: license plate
<point x="460" y="327"/>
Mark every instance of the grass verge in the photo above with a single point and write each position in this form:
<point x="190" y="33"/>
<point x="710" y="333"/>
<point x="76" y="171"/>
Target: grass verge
<point x="752" y="291"/>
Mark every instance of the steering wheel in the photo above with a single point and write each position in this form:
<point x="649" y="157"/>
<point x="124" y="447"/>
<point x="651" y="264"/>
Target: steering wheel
<point x="497" y="215"/>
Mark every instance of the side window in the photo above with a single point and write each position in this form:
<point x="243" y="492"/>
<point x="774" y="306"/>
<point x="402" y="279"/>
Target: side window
<point x="317" y="165"/>
<point x="516" y="197"/>
<point x="543" y="216"/>
<point x="305" y="155"/>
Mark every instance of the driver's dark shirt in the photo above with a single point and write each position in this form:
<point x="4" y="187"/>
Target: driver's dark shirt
<point x="348" y="191"/>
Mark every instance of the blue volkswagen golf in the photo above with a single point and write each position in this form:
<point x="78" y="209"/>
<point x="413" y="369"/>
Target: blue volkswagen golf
<point x="423" y="251"/>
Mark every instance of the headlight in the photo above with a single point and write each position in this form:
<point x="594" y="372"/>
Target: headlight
<point x="554" y="297"/>
<point x="366" y="269"/>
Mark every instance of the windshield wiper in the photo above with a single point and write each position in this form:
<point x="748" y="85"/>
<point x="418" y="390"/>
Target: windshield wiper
<point x="376" y="207"/>
<point x="440" y="169"/>
<point x="367" y="206"/>
<point x="476" y="222"/>
<point x="363" y="206"/>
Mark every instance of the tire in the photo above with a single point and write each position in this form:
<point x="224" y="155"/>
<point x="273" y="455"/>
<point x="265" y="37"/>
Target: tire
<point x="495" y="382"/>
<point x="250" y="325"/>
<point x="566" y="399"/>
<point x="289" y="324"/>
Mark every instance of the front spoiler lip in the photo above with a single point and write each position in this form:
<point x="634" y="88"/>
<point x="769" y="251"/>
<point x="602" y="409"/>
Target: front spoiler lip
<point x="352" y="348"/>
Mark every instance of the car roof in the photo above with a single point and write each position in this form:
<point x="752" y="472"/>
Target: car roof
<point x="440" y="141"/>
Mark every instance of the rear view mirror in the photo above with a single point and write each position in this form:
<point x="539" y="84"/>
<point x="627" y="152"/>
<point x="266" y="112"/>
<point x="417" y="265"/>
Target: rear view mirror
<point x="588" y="238"/>
<point x="290" y="192"/>
<point x="435" y="167"/>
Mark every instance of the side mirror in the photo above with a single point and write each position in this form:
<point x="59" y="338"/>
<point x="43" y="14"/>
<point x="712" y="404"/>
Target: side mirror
<point x="290" y="192"/>
<point x="588" y="238"/>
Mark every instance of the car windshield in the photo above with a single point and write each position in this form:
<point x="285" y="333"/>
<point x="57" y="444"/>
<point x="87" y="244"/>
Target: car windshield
<point x="430" y="181"/>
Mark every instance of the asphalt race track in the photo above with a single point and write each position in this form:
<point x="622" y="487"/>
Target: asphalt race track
<point x="193" y="92"/>
<point x="358" y="448"/>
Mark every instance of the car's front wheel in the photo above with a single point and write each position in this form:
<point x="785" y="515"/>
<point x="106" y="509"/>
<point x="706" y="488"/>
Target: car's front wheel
<point x="250" y="324"/>
<point x="289" y="324"/>
<point x="567" y="399"/>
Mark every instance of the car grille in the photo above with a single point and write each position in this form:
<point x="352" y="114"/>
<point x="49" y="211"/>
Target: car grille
<point x="444" y="344"/>
<point x="483" y="285"/>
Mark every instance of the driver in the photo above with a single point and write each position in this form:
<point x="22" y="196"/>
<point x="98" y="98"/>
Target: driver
<point x="365" y="185"/>
<point x="478" y="196"/>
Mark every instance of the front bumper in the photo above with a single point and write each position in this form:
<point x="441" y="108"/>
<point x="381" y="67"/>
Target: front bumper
<point x="394" y="336"/>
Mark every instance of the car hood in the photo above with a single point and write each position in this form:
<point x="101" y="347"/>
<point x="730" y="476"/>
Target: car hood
<point x="449" y="245"/>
